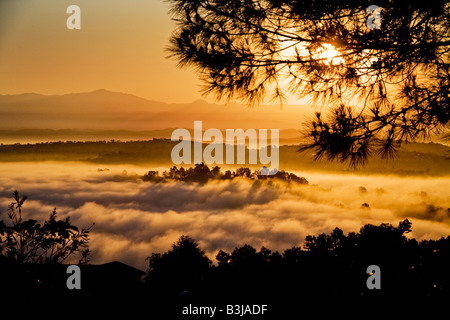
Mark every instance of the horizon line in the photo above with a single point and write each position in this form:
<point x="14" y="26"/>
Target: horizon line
<point x="199" y="100"/>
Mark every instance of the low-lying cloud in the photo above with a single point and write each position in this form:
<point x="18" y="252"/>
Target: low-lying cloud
<point x="134" y="218"/>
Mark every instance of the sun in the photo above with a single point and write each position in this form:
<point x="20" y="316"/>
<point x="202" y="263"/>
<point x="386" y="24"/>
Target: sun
<point x="328" y="53"/>
<point x="322" y="52"/>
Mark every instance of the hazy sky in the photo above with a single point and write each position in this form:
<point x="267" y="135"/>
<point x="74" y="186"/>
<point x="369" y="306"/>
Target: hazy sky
<point x="120" y="47"/>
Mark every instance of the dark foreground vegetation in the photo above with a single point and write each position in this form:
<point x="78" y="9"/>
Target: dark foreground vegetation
<point x="327" y="265"/>
<point x="51" y="242"/>
<point x="327" y="268"/>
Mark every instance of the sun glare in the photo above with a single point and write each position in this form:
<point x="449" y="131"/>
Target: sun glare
<point x="329" y="54"/>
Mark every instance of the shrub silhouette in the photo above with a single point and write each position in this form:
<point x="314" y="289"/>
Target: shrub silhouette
<point x="27" y="241"/>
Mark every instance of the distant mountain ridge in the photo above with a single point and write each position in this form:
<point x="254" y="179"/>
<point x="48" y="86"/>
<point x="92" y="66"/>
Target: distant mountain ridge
<point x="106" y="110"/>
<point x="101" y="99"/>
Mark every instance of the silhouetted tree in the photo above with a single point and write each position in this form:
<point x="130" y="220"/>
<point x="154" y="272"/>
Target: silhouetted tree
<point x="328" y="266"/>
<point x="179" y="269"/>
<point x="289" y="177"/>
<point x="54" y="241"/>
<point x="228" y="175"/>
<point x="223" y="258"/>
<point x="152" y="176"/>
<point x="323" y="242"/>
<point x="202" y="173"/>
<point x="249" y="270"/>
<point x="365" y="205"/>
<point x="215" y="172"/>
<point x="400" y="73"/>
<point x="244" y="172"/>
<point x="362" y="190"/>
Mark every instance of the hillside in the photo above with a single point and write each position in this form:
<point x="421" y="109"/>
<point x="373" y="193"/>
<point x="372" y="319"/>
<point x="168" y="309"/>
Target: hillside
<point x="413" y="159"/>
<point x="24" y="136"/>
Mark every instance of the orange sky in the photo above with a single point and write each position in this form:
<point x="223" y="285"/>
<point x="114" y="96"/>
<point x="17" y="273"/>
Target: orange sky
<point x="120" y="47"/>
